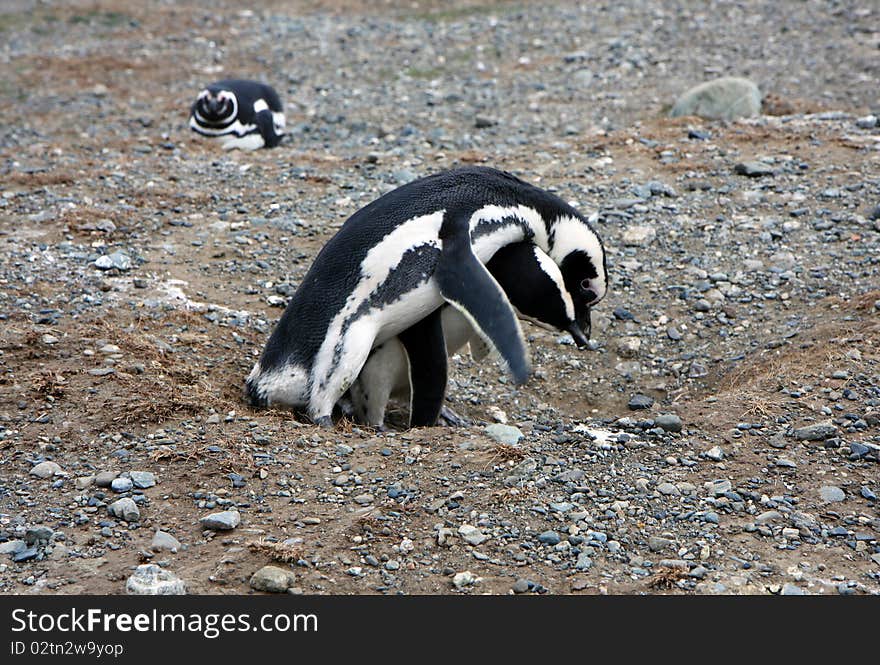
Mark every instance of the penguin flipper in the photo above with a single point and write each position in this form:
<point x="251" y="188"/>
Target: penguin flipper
<point x="265" y="122"/>
<point x="479" y="348"/>
<point x="426" y="350"/>
<point x="467" y="285"/>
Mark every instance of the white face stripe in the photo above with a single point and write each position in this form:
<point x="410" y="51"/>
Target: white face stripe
<point x="286" y="385"/>
<point x="552" y="271"/>
<point x="530" y="216"/>
<point x="375" y="268"/>
<point x="571" y="234"/>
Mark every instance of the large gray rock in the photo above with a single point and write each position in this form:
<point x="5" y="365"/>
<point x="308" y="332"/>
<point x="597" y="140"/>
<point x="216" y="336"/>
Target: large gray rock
<point x="504" y="434"/>
<point x="272" y="579"/>
<point x="164" y="541"/>
<point x="726" y="98"/>
<point x="125" y="509"/>
<point x="817" y="432"/>
<point x="45" y="470"/>
<point x="151" y="580"/>
<point x="224" y="521"/>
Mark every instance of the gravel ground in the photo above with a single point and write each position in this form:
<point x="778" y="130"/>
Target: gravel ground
<point x="722" y="436"/>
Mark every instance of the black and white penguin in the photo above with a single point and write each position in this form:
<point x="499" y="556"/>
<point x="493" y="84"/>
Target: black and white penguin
<point x="396" y="261"/>
<point x="534" y="286"/>
<point x="247" y="114"/>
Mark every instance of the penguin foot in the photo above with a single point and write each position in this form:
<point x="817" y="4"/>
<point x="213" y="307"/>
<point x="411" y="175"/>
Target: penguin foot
<point x="452" y="419"/>
<point x="324" y="421"/>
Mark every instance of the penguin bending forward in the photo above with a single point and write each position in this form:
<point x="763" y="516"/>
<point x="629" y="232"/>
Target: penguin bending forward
<point x="249" y="115"/>
<point x="396" y="261"/>
<point x="403" y="367"/>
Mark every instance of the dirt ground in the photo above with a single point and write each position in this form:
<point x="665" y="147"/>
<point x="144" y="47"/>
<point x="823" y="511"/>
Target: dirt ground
<point x="142" y="369"/>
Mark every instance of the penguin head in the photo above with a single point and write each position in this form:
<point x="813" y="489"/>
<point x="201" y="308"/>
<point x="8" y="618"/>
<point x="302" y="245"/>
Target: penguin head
<point x="216" y="104"/>
<point x="535" y="287"/>
<point x="580" y="255"/>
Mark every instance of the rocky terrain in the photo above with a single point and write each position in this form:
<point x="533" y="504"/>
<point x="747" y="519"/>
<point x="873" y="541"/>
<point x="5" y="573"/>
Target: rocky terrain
<point x="721" y="436"/>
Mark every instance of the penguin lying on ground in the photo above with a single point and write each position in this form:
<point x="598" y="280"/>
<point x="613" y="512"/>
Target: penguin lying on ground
<point x="248" y="114"/>
<point x="396" y="261"/>
<point x="533" y="285"/>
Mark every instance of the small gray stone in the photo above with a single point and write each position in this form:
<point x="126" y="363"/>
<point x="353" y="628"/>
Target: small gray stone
<point x="222" y="521"/>
<point x="151" y="580"/>
<point x="668" y="489"/>
<point x="121" y="485"/>
<point x="125" y="509"/>
<point x="117" y="260"/>
<point x="669" y="422"/>
<point x="463" y="579"/>
<point x="45" y="469"/>
<point x="725" y="98"/>
<point x="472" y="535"/>
<point x="657" y="544"/>
<point x="639" y="402"/>
<point x="754" y="169"/>
<point x="789" y="589"/>
<point x="768" y="517"/>
<point x="142" y="479"/>
<point x="549" y="538"/>
<point x="817" y="432"/>
<point x="272" y="579"/>
<point x="715" y="453"/>
<point x="504" y="434"/>
<point x="164" y="541"/>
<point x="38" y="535"/>
<point x="105" y="478"/>
<point x="521" y="586"/>
<point x="12" y="547"/>
<point x="831" y="494"/>
<point x="364" y="499"/>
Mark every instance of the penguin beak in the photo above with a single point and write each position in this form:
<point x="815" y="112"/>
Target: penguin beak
<point x="580" y="332"/>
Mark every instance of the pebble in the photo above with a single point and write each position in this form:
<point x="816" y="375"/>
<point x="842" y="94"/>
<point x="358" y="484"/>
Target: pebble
<point x="222" y="521"/>
<point x="521" y="586"/>
<point x="117" y="260"/>
<point x="668" y="489"/>
<point x="272" y="579"/>
<point x="639" y="402"/>
<point x="549" y="538"/>
<point x="46" y="470"/>
<point x="817" y="432"/>
<point x="12" y="547"/>
<point x="504" y="434"/>
<point x="831" y="494"/>
<point x="151" y="580"/>
<point x="121" y="485"/>
<point x="715" y="453"/>
<point x="125" y="509"/>
<point x="142" y="479"/>
<point x="105" y="478"/>
<point x="164" y="541"/>
<point x="658" y="544"/>
<point x="669" y="422"/>
<point x="471" y="534"/>
<point x="754" y="169"/>
<point x="726" y="98"/>
<point x="464" y="579"/>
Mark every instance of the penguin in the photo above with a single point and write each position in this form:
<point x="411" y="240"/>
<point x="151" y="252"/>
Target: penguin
<point x="535" y="288"/>
<point x="249" y="115"/>
<point x="395" y="262"/>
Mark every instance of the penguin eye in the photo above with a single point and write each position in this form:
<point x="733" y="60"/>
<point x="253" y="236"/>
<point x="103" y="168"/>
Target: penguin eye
<point x="587" y="292"/>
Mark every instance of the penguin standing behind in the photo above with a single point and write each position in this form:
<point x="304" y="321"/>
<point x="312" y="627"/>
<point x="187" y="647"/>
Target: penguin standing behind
<point x="249" y="115"/>
<point x="533" y="285"/>
<point x="396" y="261"/>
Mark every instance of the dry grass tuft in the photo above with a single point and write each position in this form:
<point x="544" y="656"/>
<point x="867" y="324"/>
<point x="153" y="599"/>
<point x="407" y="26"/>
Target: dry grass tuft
<point x="276" y="551"/>
<point x="664" y="578"/>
